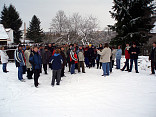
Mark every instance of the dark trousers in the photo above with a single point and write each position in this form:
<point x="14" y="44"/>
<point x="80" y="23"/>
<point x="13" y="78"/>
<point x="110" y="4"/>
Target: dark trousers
<point x="110" y="67"/>
<point x="69" y="65"/>
<point x="81" y="64"/>
<point x="29" y="73"/>
<point x="62" y="71"/>
<point x="45" y="68"/>
<point x="136" y="64"/>
<point x="57" y="76"/>
<point x="112" y="63"/>
<point x="98" y="63"/>
<point x="126" y="65"/>
<point x="36" y="76"/>
<point x="50" y="65"/>
<point x="153" y="66"/>
<point x="4" y="67"/>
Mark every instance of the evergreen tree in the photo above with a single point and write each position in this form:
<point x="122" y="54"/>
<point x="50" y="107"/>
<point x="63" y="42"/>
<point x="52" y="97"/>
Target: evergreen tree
<point x="34" y="31"/>
<point x="133" y="21"/>
<point x="10" y="19"/>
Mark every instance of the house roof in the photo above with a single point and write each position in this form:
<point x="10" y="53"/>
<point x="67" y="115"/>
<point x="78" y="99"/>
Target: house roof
<point x="3" y="34"/>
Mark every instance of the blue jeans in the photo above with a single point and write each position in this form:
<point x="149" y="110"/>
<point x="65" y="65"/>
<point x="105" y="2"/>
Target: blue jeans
<point x="105" y="67"/>
<point x="136" y="64"/>
<point x="4" y="67"/>
<point x="87" y="62"/>
<point x="72" y="71"/>
<point x="20" y="72"/>
<point x="117" y="63"/>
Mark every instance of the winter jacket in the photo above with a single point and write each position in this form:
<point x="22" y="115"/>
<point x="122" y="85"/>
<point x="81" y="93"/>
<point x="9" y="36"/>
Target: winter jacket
<point x="127" y="55"/>
<point x="27" y="55"/>
<point x="35" y="60"/>
<point x="118" y="54"/>
<point x="151" y="56"/>
<point x="113" y="54"/>
<point x="134" y="56"/>
<point x="68" y="55"/>
<point x="4" y="56"/>
<point x="63" y="57"/>
<point x="45" y="57"/>
<point x="91" y="54"/>
<point x="105" y="55"/>
<point x="80" y="54"/>
<point x="73" y="57"/>
<point x="56" y="61"/>
<point x="155" y="55"/>
<point x="19" y="58"/>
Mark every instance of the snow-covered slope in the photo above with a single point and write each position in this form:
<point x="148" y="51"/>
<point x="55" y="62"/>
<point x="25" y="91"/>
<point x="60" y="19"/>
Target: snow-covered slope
<point x="122" y="94"/>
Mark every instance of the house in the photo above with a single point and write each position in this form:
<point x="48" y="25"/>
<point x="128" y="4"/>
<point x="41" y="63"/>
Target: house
<point x="4" y="38"/>
<point x="10" y="34"/>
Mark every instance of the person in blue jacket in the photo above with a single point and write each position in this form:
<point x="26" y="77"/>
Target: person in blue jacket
<point x="56" y="60"/>
<point x="36" y="61"/>
<point x="118" y="57"/>
<point x="19" y="61"/>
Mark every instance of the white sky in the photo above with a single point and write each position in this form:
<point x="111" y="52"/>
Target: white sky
<point x="45" y="10"/>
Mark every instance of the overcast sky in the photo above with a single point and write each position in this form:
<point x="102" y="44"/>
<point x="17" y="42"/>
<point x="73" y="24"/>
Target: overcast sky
<point x="45" y="10"/>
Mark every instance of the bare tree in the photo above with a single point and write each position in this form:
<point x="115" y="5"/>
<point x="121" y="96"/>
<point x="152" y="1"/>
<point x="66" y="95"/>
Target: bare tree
<point x="59" y="23"/>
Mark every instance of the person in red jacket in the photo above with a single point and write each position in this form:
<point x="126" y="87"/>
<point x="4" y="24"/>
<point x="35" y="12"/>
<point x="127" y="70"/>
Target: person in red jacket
<point x="127" y="56"/>
<point x="73" y="60"/>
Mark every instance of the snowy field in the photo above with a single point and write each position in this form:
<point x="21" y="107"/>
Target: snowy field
<point x="121" y="94"/>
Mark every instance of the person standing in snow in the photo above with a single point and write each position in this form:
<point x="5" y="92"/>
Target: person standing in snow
<point x="113" y="55"/>
<point x="98" y="57"/>
<point x="73" y="60"/>
<point x="118" y="57"/>
<point x="19" y="61"/>
<point x="68" y="57"/>
<point x="36" y="61"/>
<point x="81" y="58"/>
<point x="56" y="60"/>
<point x="62" y="53"/>
<point x="152" y="57"/>
<point x="45" y="58"/>
<point x="4" y="59"/>
<point x="28" y="65"/>
<point x="105" y="59"/>
<point x="127" y="56"/>
<point x="91" y="56"/>
<point x="134" y="52"/>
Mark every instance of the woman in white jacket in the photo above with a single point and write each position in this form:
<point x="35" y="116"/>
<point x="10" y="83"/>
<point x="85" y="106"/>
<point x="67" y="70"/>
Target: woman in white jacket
<point x="4" y="59"/>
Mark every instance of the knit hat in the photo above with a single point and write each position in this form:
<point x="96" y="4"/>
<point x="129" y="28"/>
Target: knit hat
<point x="90" y="45"/>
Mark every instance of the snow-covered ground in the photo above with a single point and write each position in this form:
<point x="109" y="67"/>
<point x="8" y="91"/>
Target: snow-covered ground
<point x="121" y="94"/>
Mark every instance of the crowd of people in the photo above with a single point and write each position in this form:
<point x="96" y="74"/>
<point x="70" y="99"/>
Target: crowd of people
<point x="31" y="60"/>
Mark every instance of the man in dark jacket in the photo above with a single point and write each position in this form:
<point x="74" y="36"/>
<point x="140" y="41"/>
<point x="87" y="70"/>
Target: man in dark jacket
<point x="64" y="61"/>
<point x="68" y="56"/>
<point x="90" y="55"/>
<point x="36" y="61"/>
<point x="134" y="52"/>
<point x="45" y="59"/>
<point x="152" y="57"/>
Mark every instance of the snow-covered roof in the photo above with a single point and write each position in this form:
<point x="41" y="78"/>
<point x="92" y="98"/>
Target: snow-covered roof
<point x="3" y="34"/>
<point x="154" y="29"/>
